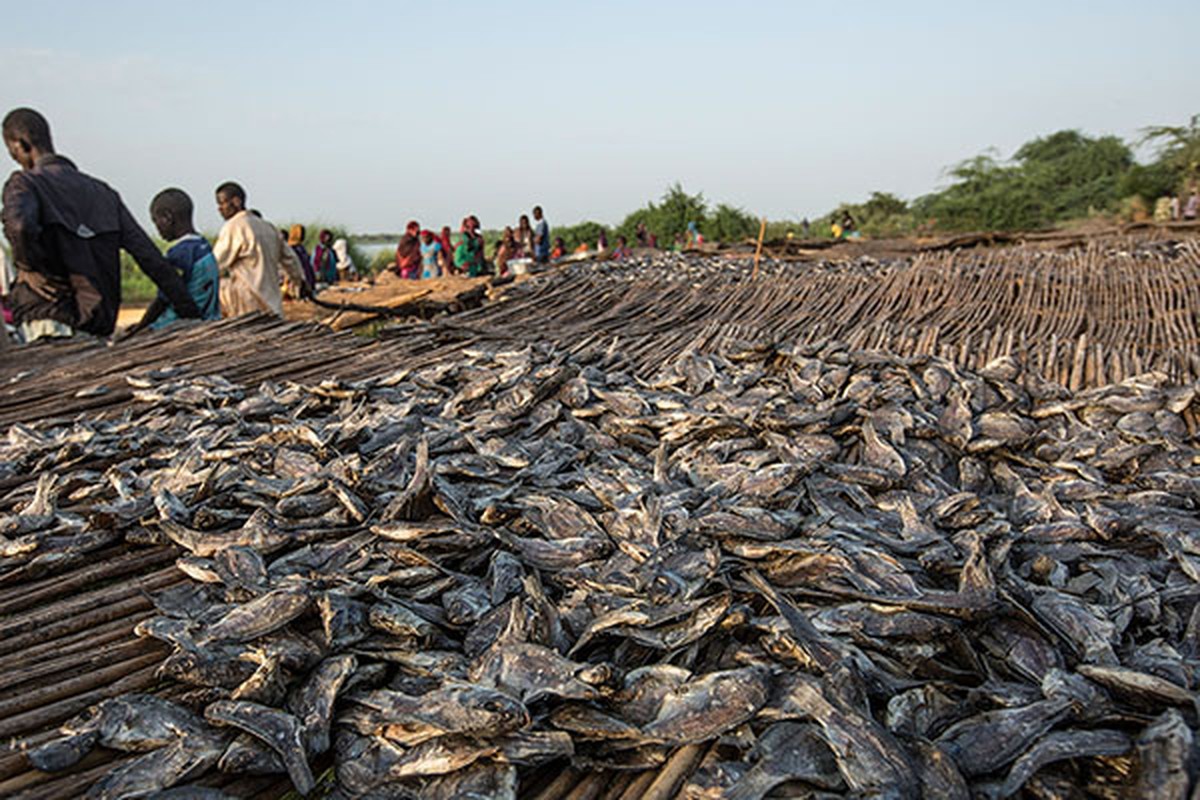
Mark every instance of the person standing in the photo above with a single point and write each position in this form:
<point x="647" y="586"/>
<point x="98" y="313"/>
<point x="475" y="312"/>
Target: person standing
<point x="541" y="237"/>
<point x="250" y="254"/>
<point x="1192" y="207"/>
<point x="324" y="259"/>
<point x="190" y="255"/>
<point x="408" y="252"/>
<point x="524" y="238"/>
<point x="431" y="250"/>
<point x="447" y="251"/>
<point x="295" y="240"/>
<point x="347" y="270"/>
<point x="67" y="230"/>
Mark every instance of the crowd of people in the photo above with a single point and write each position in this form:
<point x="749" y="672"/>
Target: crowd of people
<point x="423" y="254"/>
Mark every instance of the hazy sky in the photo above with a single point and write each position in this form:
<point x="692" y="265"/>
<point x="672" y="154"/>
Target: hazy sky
<point x="367" y="114"/>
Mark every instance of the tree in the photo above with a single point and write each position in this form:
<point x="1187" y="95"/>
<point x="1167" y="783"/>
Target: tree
<point x="730" y="224"/>
<point x="668" y="217"/>
<point x="1179" y="147"/>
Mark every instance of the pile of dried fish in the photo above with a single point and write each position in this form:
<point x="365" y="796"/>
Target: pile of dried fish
<point x="819" y="571"/>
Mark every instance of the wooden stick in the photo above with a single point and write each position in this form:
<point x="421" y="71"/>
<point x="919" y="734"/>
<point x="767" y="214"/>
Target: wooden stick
<point x="762" y="231"/>
<point x="49" y="704"/>
<point x="674" y="772"/>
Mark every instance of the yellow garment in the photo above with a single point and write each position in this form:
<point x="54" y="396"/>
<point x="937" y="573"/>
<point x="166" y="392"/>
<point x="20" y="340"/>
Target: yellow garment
<point x="837" y="230"/>
<point x="250" y="252"/>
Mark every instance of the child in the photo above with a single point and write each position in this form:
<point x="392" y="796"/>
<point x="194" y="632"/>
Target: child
<point x="190" y="254"/>
<point x="430" y="251"/>
<point x="560" y="249"/>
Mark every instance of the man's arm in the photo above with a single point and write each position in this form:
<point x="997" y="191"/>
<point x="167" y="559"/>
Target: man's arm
<point x="21" y="223"/>
<point x="156" y="267"/>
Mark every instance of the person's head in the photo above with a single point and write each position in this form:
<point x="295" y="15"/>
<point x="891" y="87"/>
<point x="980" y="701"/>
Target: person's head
<point x="231" y="199"/>
<point x="412" y="228"/>
<point x="621" y="240"/>
<point x="445" y="231"/>
<point x="427" y="237"/>
<point x="296" y="235"/>
<point x="325" y="237"/>
<point x="537" y="212"/>
<point x="474" y="222"/>
<point x="27" y="136"/>
<point x="523" y="222"/>
<point x="558" y="242"/>
<point x="171" y="211"/>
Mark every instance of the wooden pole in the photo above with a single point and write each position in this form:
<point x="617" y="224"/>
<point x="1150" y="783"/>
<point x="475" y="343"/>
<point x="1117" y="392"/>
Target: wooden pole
<point x="762" y="231"/>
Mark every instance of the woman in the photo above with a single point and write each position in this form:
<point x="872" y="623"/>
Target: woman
<point x="525" y="237"/>
<point x="345" y="264"/>
<point x="408" y="252"/>
<point x="324" y="261"/>
<point x="447" y="254"/>
<point x="505" y="251"/>
<point x="295" y="240"/>
<point x="431" y="249"/>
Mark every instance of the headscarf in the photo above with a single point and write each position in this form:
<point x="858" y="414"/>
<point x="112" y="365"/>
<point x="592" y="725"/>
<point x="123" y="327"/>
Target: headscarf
<point x="342" y="251"/>
<point x="296" y="235"/>
<point x="445" y="240"/>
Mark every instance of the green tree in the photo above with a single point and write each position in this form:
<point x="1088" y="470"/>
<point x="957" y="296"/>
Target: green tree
<point x="730" y="224"/>
<point x="1178" y="147"/>
<point x="668" y="217"/>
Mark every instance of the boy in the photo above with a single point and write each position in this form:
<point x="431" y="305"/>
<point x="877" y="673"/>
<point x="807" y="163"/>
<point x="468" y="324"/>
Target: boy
<point x="190" y="255"/>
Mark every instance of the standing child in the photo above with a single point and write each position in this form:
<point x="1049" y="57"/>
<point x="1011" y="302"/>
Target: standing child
<point x="431" y="250"/>
<point x="190" y="255"/>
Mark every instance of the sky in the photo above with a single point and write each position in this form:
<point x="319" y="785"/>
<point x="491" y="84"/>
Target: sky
<point x="367" y="114"/>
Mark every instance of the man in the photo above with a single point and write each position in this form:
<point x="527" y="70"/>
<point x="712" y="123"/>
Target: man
<point x="190" y="255"/>
<point x="66" y="230"/>
<point x="250" y="253"/>
<point x="541" y="237"/>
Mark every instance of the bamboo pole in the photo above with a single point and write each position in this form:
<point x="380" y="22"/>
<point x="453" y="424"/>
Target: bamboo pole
<point x="762" y="231"/>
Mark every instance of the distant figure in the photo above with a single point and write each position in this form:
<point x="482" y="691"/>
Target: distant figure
<point x="849" y="227"/>
<point x="653" y="242"/>
<point x="643" y="238"/>
<point x="805" y="228"/>
<point x="679" y="243"/>
<point x="480" y="244"/>
<point x="541" y="237"/>
<point x="559" y="250"/>
<point x="408" y="252"/>
<point x="324" y="260"/>
<point x="602" y="242"/>
<point x="621" y="250"/>
<point x="295" y="239"/>
<point x="1174" y="208"/>
<point x="250" y="254"/>
<point x="430" y="248"/>
<point x="506" y="250"/>
<point x="468" y="256"/>
<point x="694" y="237"/>
<point x="524" y="238"/>
<point x="67" y="230"/>
<point x="835" y="228"/>
<point x="582" y="248"/>
<point x="1192" y="208"/>
<point x="447" y="250"/>
<point x="190" y="255"/>
<point x="345" y="266"/>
